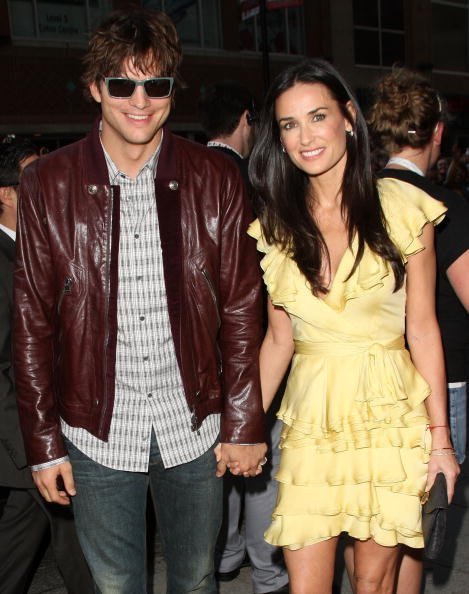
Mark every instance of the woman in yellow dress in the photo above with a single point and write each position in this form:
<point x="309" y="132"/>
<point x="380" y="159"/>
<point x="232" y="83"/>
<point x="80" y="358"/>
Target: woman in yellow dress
<point x="349" y="268"/>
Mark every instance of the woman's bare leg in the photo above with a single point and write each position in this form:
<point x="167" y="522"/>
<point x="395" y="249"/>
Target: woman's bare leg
<point x="410" y="571"/>
<point x="375" y="567"/>
<point x="311" y="569"/>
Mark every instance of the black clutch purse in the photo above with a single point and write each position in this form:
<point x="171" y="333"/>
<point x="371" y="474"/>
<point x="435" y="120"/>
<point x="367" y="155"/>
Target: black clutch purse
<point x="434" y="517"/>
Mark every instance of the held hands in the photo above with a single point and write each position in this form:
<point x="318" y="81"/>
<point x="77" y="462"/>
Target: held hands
<point x="245" y="460"/>
<point x="56" y="483"/>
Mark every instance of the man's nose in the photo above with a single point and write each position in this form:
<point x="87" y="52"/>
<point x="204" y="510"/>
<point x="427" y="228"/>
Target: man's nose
<point x="139" y="98"/>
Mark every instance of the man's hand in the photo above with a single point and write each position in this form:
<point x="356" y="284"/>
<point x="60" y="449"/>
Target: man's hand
<point x="56" y="483"/>
<point x="240" y="459"/>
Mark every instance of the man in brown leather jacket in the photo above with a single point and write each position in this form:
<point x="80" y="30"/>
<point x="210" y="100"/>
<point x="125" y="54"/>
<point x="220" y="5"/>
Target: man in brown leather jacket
<point x="137" y="320"/>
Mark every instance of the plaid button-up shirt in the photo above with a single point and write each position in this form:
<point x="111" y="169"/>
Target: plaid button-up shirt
<point x="149" y="393"/>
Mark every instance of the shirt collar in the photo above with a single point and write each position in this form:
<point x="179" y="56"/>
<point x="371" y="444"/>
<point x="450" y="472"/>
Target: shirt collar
<point x="8" y="231"/>
<point x="217" y="143"/>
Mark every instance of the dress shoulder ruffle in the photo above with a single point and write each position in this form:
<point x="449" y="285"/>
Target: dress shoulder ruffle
<point x="407" y="209"/>
<point x="287" y="286"/>
<point x="281" y="274"/>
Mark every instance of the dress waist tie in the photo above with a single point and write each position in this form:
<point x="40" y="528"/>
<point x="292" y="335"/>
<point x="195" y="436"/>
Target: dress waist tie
<point x="347" y="348"/>
<point x="379" y="383"/>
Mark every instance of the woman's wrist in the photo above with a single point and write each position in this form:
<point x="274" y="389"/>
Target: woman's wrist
<point x="441" y="436"/>
<point x="435" y="427"/>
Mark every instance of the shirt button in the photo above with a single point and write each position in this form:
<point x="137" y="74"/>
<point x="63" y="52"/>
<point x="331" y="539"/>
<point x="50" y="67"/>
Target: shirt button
<point x="150" y="395"/>
<point x="136" y="235"/>
<point x="139" y="277"/>
<point x="142" y="318"/>
<point x="146" y="358"/>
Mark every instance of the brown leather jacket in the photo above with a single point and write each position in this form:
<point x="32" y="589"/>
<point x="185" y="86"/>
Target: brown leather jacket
<point x="66" y="280"/>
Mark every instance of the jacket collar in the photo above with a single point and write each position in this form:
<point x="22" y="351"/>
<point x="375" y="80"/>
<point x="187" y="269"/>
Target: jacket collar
<point x="95" y="162"/>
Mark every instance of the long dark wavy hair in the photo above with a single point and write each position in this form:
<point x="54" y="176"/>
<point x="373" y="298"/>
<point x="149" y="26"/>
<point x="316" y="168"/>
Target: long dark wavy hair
<point x="283" y="191"/>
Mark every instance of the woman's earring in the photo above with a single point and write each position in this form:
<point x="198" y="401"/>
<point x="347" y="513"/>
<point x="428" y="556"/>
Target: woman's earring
<point x="349" y="133"/>
<point x="283" y="149"/>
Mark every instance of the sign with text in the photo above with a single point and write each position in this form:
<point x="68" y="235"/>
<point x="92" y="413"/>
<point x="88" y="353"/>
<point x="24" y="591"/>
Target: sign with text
<point x="68" y="21"/>
<point x="250" y="8"/>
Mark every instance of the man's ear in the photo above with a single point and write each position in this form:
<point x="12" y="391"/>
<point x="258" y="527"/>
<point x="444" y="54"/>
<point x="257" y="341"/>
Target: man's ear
<point x="5" y="196"/>
<point x="95" y="92"/>
<point x="438" y="133"/>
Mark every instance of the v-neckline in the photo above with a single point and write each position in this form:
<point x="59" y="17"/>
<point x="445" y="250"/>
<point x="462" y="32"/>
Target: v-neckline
<point x="330" y="298"/>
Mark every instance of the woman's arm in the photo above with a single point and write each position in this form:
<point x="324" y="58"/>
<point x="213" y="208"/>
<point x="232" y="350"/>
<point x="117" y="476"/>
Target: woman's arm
<point x="458" y="276"/>
<point x="276" y="352"/>
<point x="423" y="338"/>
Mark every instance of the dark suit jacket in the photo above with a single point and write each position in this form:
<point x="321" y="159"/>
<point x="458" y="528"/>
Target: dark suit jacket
<point x="242" y="163"/>
<point x="14" y="471"/>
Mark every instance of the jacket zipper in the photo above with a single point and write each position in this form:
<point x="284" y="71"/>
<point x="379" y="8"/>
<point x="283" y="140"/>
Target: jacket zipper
<point x="212" y="292"/>
<point x="215" y="301"/>
<point x="66" y="290"/>
<point x="106" y="312"/>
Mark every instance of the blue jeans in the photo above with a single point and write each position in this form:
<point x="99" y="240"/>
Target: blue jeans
<point x="110" y="517"/>
<point x="457" y="419"/>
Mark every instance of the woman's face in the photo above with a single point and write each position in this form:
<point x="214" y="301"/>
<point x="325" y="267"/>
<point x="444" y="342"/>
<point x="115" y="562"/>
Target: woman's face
<point x="313" y="129"/>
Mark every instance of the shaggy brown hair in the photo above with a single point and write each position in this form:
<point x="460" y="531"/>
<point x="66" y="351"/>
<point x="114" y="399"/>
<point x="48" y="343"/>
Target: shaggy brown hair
<point x="405" y="111"/>
<point x="145" y="38"/>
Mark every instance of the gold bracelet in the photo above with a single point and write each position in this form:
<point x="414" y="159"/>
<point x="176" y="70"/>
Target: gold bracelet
<point x="439" y="453"/>
<point x="431" y="427"/>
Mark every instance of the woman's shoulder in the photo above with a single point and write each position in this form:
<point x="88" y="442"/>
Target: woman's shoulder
<point x="255" y="230"/>
<point x="398" y="196"/>
<point x="407" y="209"/>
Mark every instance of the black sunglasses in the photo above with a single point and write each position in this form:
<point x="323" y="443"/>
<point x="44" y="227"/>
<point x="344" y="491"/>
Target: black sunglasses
<point x="155" y="88"/>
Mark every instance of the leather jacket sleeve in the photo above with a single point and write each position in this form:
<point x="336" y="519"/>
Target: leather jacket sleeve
<point x="241" y="312"/>
<point x="34" y="318"/>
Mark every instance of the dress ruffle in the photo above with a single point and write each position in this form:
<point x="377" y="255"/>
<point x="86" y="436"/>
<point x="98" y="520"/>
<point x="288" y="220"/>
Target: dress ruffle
<point x="384" y="389"/>
<point x="284" y="280"/>
<point x="407" y="210"/>
<point x="355" y="444"/>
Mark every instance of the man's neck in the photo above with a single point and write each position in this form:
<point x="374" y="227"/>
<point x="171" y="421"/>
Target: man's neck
<point x="130" y="158"/>
<point x="8" y="221"/>
<point x="233" y="142"/>
<point x="420" y="157"/>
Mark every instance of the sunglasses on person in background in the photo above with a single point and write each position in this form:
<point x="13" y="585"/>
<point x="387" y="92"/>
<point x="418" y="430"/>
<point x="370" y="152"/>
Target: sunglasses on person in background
<point x="155" y="88"/>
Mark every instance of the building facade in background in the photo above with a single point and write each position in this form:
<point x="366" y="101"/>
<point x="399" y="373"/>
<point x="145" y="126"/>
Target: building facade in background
<point x="41" y="44"/>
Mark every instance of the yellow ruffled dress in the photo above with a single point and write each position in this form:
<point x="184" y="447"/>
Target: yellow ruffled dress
<point x="355" y="444"/>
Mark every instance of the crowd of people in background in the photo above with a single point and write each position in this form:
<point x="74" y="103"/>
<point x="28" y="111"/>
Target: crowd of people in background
<point x="452" y="170"/>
